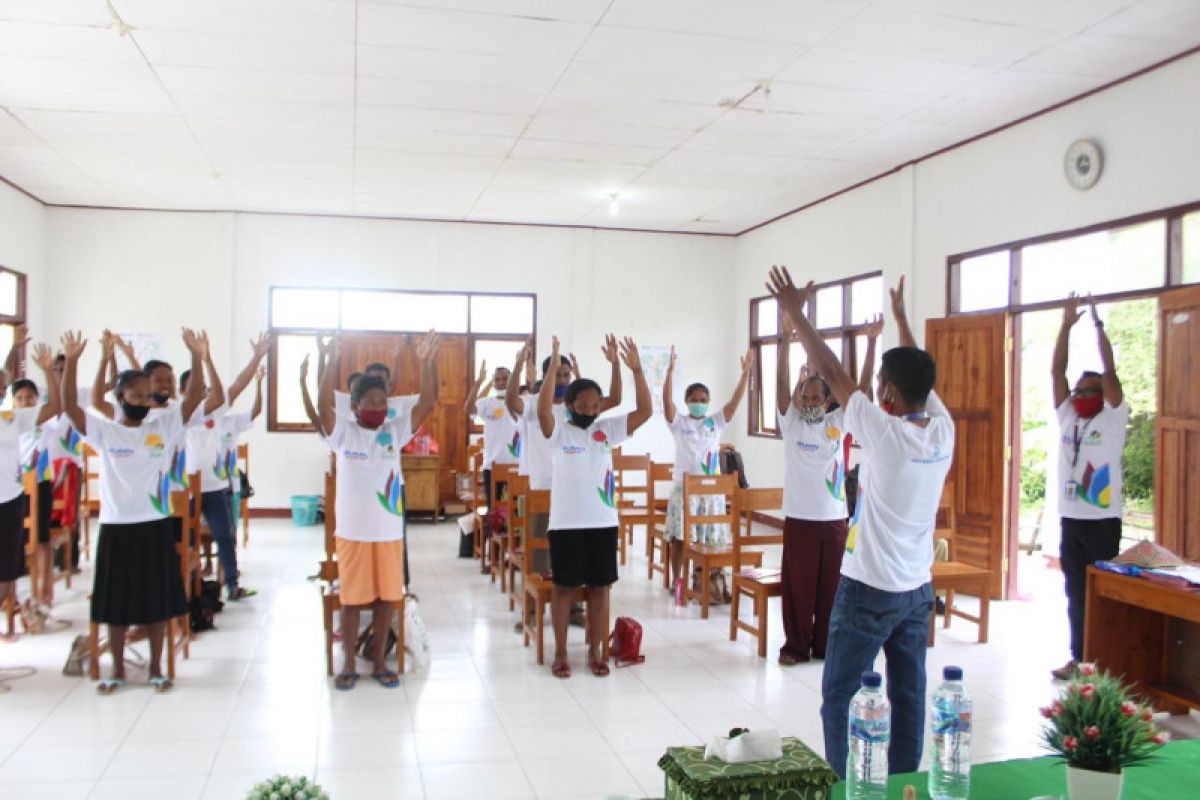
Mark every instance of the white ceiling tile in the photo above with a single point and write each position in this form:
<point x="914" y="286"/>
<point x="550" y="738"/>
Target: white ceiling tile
<point x="248" y="52"/>
<point x="332" y="20"/>
<point x="510" y="204"/>
<point x="1064" y="16"/>
<point x="445" y="66"/>
<point x="856" y="69"/>
<point x="66" y="124"/>
<point x="56" y="12"/>
<point x="534" y="175"/>
<point x="721" y="140"/>
<point x="431" y="142"/>
<point x="259" y="110"/>
<point x="449" y="96"/>
<point x="1028" y="90"/>
<point x="811" y="99"/>
<point x="258" y="84"/>
<point x="397" y="119"/>
<point x="116" y="101"/>
<point x="583" y="11"/>
<point x="896" y="142"/>
<point x="68" y="42"/>
<point x="1087" y="55"/>
<point x="803" y="21"/>
<point x="467" y="32"/>
<point x="398" y="165"/>
<point x="811" y="127"/>
<point x="1172" y="20"/>
<point x="659" y="114"/>
<point x="983" y="115"/>
<point x="704" y="57"/>
<point x="550" y="126"/>
<point x="530" y="148"/>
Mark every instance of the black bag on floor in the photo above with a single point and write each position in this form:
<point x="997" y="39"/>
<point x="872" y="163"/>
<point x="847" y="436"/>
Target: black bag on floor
<point x="200" y="614"/>
<point x="466" y="544"/>
<point x="211" y="590"/>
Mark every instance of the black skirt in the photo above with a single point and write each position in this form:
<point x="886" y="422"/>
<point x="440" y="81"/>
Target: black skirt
<point x="45" y="510"/>
<point x="583" y="557"/>
<point x="137" y="574"/>
<point x="12" y="539"/>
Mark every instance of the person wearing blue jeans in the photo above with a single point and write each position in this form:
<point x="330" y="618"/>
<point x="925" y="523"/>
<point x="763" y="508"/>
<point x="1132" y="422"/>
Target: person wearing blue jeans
<point x="218" y="513"/>
<point x="885" y="596"/>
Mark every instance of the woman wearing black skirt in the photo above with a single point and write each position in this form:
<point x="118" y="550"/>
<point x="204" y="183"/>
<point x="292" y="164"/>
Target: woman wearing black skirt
<point x="137" y="579"/>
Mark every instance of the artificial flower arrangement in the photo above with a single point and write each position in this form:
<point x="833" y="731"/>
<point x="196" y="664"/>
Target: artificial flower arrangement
<point x="284" y="787"/>
<point x="1097" y="724"/>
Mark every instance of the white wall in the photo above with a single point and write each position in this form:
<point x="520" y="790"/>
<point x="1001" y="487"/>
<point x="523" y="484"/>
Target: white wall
<point x="151" y="272"/>
<point x="1002" y="188"/>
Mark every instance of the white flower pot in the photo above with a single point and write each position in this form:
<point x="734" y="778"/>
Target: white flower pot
<point x="1087" y="784"/>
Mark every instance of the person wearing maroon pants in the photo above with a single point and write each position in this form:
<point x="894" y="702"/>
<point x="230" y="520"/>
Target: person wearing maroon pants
<point x="814" y="504"/>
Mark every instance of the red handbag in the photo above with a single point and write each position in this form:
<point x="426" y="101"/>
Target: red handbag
<point x="626" y="642"/>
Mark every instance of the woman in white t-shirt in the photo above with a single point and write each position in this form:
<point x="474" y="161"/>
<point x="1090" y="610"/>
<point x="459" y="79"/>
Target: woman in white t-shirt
<point x="583" y="513"/>
<point x="35" y="457"/>
<point x="137" y="579"/>
<point x="15" y="428"/>
<point x="697" y="437"/>
<point x="369" y="507"/>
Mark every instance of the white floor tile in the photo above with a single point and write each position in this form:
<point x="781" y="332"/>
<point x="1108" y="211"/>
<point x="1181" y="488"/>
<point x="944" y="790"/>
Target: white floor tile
<point x="581" y="776"/>
<point x="156" y="759"/>
<point x="372" y="784"/>
<point x="377" y="750"/>
<point x="184" y="787"/>
<point x="266" y="756"/>
<point x="503" y="780"/>
<point x="445" y="747"/>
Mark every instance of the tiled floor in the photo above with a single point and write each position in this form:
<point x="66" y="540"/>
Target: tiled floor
<point x="482" y="721"/>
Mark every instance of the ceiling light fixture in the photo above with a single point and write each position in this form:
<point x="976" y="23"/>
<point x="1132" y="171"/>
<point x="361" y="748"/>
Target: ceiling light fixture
<point x="614" y="206"/>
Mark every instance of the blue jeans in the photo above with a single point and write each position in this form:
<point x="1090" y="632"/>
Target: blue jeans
<point x="864" y="621"/>
<point x="219" y="515"/>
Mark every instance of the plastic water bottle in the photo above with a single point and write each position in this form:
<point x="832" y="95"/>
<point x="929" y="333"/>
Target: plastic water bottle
<point x="870" y="731"/>
<point x="950" y="722"/>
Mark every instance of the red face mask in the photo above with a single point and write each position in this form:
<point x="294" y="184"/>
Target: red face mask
<point x="1088" y="407"/>
<point x="372" y="418"/>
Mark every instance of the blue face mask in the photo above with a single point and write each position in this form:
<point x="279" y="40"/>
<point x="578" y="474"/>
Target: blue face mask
<point x="697" y="409"/>
<point x="560" y="392"/>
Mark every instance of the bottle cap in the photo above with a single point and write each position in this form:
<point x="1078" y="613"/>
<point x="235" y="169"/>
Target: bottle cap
<point x="872" y="679"/>
<point x="952" y="673"/>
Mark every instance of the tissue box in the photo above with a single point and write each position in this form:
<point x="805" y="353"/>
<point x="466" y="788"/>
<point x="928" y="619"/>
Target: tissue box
<point x="800" y="775"/>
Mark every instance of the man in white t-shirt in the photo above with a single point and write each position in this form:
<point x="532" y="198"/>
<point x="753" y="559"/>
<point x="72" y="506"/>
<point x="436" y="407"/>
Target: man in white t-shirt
<point x="1091" y="421"/>
<point x="501" y="437"/>
<point x="885" y="596"/>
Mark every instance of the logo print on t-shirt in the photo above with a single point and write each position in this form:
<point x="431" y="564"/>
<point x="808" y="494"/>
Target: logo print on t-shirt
<point x="497" y="413"/>
<point x="161" y="500"/>
<point x="154" y="443"/>
<point x="390" y="498"/>
<point x="710" y="465"/>
<point x="1097" y="489"/>
<point x="40" y="465"/>
<point x="836" y="483"/>
<point x="514" y="447"/>
<point x="7" y="416"/>
<point x="709" y="424"/>
<point x="179" y="468"/>
<point x="609" y="489"/>
<point x="226" y="462"/>
<point x="852" y="536"/>
<point x="72" y="442"/>
<point x="833" y="433"/>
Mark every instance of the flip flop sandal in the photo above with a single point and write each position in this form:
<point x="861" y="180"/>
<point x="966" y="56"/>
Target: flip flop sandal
<point x="161" y="684"/>
<point x="346" y="681"/>
<point x="387" y="679"/>
<point x="109" y="686"/>
<point x="599" y="668"/>
<point x="560" y="669"/>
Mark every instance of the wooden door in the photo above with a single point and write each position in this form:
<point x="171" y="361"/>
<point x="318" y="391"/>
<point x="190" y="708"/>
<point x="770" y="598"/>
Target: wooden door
<point x="973" y="380"/>
<point x="447" y="423"/>
<point x="1177" y="428"/>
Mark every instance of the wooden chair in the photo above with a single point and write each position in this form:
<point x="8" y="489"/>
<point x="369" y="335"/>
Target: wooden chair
<point x="243" y="457"/>
<point x="480" y="504"/>
<point x="89" y="495"/>
<point x="708" y="556"/>
<point x="537" y="588"/>
<point x="631" y="513"/>
<point x="498" y="540"/>
<point x="518" y="528"/>
<point x="59" y="537"/>
<point x="330" y="599"/>
<point x="758" y="585"/>
<point x="658" y="557"/>
<point x="956" y="576"/>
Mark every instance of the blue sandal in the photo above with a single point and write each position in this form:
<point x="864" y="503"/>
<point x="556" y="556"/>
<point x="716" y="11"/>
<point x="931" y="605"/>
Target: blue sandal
<point x="161" y="683"/>
<point x="345" y="681"/>
<point x="109" y="686"/>
<point x="387" y="679"/>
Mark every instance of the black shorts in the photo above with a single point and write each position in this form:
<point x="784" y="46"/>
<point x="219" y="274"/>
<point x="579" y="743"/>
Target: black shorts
<point x="12" y="539"/>
<point x="45" y="510"/>
<point x="584" y="557"/>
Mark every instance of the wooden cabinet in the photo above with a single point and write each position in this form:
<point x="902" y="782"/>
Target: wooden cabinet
<point x="422" y="479"/>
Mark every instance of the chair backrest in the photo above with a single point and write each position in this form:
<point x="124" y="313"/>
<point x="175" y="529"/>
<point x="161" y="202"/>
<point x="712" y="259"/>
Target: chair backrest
<point x="625" y="467"/>
<point x="707" y="486"/>
<point x="661" y="473"/>
<point x="243" y="454"/>
<point x="945" y="522"/>
<point x="518" y="487"/>
<point x="330" y="514"/>
<point x="185" y="504"/>
<point x="501" y="474"/>
<point x="746" y="502"/>
<point x="90" y="472"/>
<point x="32" y="489"/>
<point x="537" y="501"/>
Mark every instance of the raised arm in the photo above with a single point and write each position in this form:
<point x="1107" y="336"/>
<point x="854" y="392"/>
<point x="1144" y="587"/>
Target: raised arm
<point x="545" y="400"/>
<point x="309" y="410"/>
<point x="645" y="406"/>
<point x="326" y="411"/>
<point x="612" y="356"/>
<point x="738" y="392"/>
<point x="216" y="395"/>
<point x="512" y="394"/>
<point x="427" y="350"/>
<point x="668" y="399"/>
<point x="256" y="409"/>
<point x="575" y="373"/>
<point x="1062" y="345"/>
<point x="906" y="335"/>
<point x="12" y="362"/>
<point x="867" y="378"/>
<point x="197" y="345"/>
<point x="824" y="361"/>
<point x="53" y="405"/>
<point x="72" y="345"/>
<point x="783" y="369"/>
<point x="471" y="406"/>
<point x="259" y="348"/>
<point x="101" y="386"/>
<point x="127" y="350"/>
<point x="530" y="366"/>
<point x="1114" y="395"/>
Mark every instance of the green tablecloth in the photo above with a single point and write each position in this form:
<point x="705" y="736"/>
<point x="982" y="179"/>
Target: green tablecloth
<point x="800" y="775"/>
<point x="1175" y="773"/>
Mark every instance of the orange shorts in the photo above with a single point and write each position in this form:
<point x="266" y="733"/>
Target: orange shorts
<point x="370" y="571"/>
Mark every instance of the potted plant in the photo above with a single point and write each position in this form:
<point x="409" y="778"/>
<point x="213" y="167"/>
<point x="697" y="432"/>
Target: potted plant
<point x="287" y="787"/>
<point x="1099" y="729"/>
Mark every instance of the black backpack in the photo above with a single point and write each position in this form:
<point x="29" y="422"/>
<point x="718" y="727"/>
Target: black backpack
<point x="205" y="606"/>
<point x="731" y="464"/>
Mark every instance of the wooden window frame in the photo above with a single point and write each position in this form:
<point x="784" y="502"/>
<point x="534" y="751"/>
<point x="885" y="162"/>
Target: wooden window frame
<point x="273" y="423"/>
<point x="761" y="424"/>
<point x="17" y="319"/>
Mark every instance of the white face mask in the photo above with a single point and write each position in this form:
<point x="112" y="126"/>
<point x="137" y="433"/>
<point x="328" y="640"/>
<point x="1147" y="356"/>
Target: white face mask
<point x="812" y="414"/>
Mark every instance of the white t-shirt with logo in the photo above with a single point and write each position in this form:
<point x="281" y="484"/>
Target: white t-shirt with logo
<point x="15" y="427"/>
<point x="501" y="436"/>
<point x="212" y="447"/>
<point x="537" y="452"/>
<point x="1097" y="491"/>
<point x="583" y="490"/>
<point x="814" y="468"/>
<point x="370" y="482"/>
<point x="697" y="444"/>
<point x="903" y="469"/>
<point x="59" y="439"/>
<point x="136" y="466"/>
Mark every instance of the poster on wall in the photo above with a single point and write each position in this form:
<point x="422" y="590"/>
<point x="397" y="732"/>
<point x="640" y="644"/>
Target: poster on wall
<point x="655" y="360"/>
<point x="146" y="347"/>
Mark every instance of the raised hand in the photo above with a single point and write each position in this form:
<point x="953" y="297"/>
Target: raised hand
<point x="43" y="357"/>
<point x="303" y="370"/>
<point x="805" y="373"/>
<point x="107" y="343"/>
<point x="747" y="362"/>
<point x="428" y="346"/>
<point x="1071" y="312"/>
<point x="205" y="346"/>
<point x="630" y="354"/>
<point x="261" y="346"/>
<point x="324" y="344"/>
<point x="555" y="347"/>
<point x="671" y="362"/>
<point x="482" y="374"/>
<point x="791" y="298"/>
<point x="73" y="344"/>
<point x="125" y="347"/>
<point x="1091" y="301"/>
<point x="610" y="349"/>
<point x="21" y="335"/>
<point x="897" y="297"/>
<point x="874" y="326"/>
<point x="262" y="371"/>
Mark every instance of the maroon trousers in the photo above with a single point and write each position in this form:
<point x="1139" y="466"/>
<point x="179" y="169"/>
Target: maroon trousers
<point x="812" y="565"/>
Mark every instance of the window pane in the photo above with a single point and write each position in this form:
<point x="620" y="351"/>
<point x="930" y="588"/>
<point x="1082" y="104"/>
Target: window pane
<point x="290" y="351"/>
<point x="403" y="311"/>
<point x="866" y="299"/>
<point x="1108" y="261"/>
<point x="6" y="341"/>
<point x="983" y="281"/>
<point x="498" y="314"/>
<point x="797" y="358"/>
<point x="8" y="294"/>
<point x="768" y="317"/>
<point x="1191" y="248"/>
<point x="496" y="354"/>
<point x="304" y="308"/>
<point x="766" y="392"/>
<point x="829" y="307"/>
<point x="860" y="356"/>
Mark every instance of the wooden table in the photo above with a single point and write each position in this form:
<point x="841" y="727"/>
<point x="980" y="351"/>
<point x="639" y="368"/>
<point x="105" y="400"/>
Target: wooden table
<point x="422" y="484"/>
<point x="1147" y="632"/>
